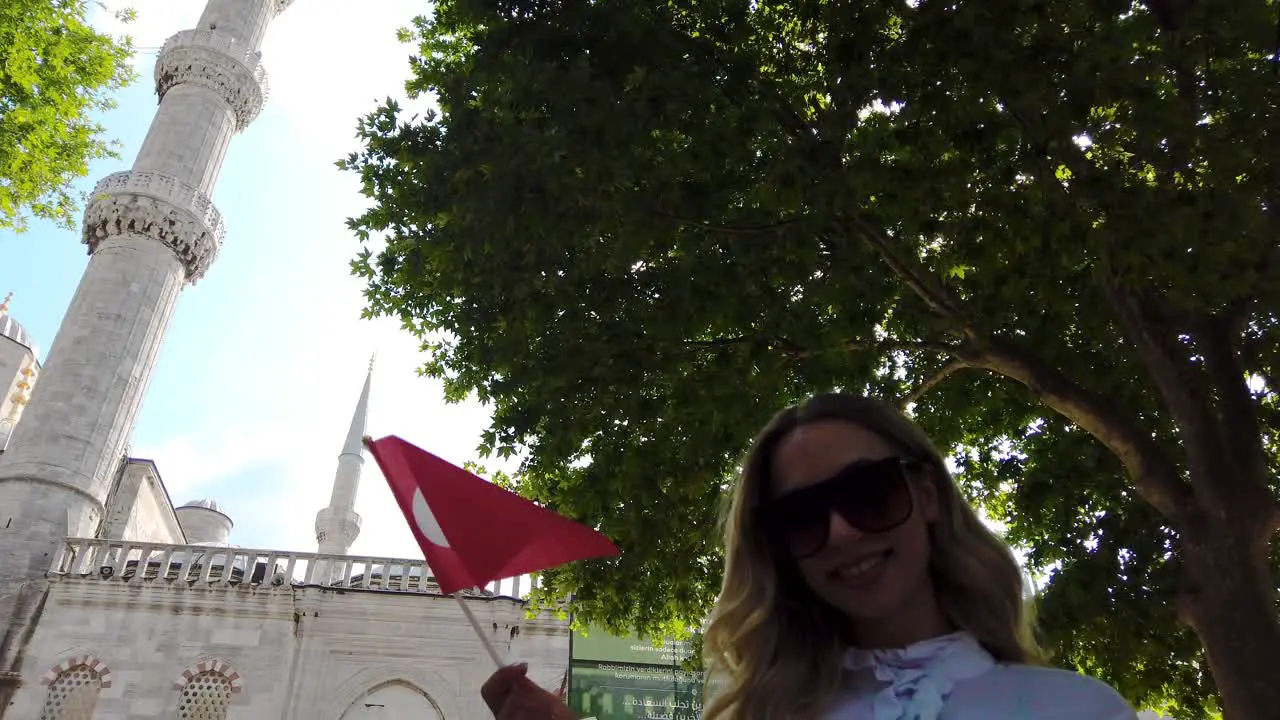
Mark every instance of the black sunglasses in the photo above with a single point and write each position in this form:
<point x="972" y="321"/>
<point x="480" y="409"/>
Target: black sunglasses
<point x="872" y="497"/>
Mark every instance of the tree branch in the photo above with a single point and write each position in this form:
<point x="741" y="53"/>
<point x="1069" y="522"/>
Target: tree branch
<point x="1241" y="430"/>
<point x="719" y="342"/>
<point x="731" y="229"/>
<point x="933" y="380"/>
<point x="798" y="352"/>
<point x="1154" y="475"/>
<point x="1181" y="386"/>
<point x="795" y="351"/>
<point x="922" y="282"/>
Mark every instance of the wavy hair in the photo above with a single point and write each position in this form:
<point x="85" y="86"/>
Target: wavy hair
<point x="773" y="649"/>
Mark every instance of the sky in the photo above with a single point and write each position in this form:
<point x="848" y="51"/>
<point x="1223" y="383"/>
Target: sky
<point x="258" y="378"/>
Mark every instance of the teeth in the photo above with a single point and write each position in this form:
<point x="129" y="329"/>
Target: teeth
<point x="861" y="566"/>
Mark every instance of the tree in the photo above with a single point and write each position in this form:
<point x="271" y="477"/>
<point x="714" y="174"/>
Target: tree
<point x="638" y="229"/>
<point x="56" y="72"/>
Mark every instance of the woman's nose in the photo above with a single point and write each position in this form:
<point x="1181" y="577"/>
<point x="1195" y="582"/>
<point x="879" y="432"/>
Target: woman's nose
<point x="841" y="531"/>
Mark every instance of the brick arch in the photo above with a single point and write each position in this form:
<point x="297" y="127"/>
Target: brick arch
<point x="90" y="661"/>
<point x="217" y="665"/>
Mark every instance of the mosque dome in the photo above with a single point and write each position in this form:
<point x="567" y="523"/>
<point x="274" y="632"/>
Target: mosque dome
<point x="204" y="522"/>
<point x="12" y="329"/>
<point x="205" y="503"/>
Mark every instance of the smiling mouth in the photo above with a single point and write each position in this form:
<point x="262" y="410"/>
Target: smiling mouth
<point x="858" y="568"/>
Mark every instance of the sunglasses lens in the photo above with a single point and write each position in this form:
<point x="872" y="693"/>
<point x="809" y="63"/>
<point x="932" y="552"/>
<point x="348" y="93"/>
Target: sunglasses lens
<point x="876" y="498"/>
<point x="871" y="498"/>
<point x="797" y="523"/>
<point x="808" y="538"/>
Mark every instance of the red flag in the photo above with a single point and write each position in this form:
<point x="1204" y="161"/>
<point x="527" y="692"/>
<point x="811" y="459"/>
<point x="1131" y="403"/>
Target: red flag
<point x="471" y="531"/>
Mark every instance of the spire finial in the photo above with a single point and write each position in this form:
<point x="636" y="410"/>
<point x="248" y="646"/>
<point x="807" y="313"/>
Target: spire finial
<point x="4" y="306"/>
<point x="372" y="359"/>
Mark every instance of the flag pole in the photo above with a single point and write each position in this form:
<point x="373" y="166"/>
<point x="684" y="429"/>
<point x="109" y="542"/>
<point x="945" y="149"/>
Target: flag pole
<point x="475" y="625"/>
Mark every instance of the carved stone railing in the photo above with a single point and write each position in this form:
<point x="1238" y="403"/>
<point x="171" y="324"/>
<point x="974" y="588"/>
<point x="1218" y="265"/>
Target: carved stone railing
<point x="157" y="206"/>
<point x="171" y="190"/>
<point x="218" y="62"/>
<point x="124" y="561"/>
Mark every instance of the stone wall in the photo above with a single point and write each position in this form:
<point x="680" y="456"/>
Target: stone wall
<point x="289" y="652"/>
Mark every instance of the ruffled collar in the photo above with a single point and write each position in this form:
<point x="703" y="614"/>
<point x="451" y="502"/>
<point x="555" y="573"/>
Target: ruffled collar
<point x="920" y="676"/>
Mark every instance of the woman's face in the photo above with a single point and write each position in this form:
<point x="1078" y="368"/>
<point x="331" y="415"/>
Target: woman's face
<point x="866" y="574"/>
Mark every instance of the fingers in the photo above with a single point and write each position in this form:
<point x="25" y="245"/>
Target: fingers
<point x="500" y="685"/>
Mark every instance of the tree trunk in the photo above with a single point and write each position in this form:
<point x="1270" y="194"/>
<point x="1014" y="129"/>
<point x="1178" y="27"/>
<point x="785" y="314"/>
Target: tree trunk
<point x="1229" y="600"/>
<point x="1229" y="521"/>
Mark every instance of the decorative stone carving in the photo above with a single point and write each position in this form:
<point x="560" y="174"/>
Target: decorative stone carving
<point x="212" y="60"/>
<point x="160" y="207"/>
<point x="99" y="669"/>
<point x="218" y="666"/>
<point x="163" y="187"/>
<point x="282" y="5"/>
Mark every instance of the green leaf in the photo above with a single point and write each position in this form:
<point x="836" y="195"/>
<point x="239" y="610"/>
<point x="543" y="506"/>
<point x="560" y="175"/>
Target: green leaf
<point x="56" y="73"/>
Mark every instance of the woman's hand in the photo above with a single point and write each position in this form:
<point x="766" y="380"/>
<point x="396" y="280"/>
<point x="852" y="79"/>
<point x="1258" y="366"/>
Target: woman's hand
<point x="512" y="696"/>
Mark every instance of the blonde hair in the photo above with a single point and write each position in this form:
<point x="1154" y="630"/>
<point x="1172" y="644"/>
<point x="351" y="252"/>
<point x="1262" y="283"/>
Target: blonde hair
<point x="773" y="650"/>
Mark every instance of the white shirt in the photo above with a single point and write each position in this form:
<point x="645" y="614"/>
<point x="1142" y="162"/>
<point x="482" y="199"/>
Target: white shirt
<point x="954" y="678"/>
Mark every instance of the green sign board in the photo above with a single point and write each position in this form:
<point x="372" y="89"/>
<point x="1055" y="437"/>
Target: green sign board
<point x="620" y="692"/>
<point x="631" y="678"/>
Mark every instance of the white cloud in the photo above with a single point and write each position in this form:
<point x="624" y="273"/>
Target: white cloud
<point x="191" y="463"/>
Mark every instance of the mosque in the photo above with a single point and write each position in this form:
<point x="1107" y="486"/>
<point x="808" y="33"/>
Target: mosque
<point x="114" y="602"/>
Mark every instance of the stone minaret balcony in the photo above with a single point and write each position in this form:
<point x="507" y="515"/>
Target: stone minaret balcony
<point x="218" y="62"/>
<point x="161" y="207"/>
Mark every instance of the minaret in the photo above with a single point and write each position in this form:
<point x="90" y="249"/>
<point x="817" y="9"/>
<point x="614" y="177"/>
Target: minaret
<point x="150" y="231"/>
<point x="338" y="525"/>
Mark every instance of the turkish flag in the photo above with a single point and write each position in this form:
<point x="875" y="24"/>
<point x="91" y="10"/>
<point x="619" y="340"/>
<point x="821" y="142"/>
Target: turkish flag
<point x="471" y="531"/>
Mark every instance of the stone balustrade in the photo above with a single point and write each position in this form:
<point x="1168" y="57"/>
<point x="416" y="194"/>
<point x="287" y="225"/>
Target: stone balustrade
<point x="225" y="44"/>
<point x="126" y="561"/>
<point x="219" y="63"/>
<point x="162" y="187"/>
<point x="151" y="204"/>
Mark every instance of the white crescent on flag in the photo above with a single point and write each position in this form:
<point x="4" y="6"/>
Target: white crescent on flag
<point x="426" y="521"/>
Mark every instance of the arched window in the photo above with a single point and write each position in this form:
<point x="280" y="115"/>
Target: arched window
<point x="72" y="694"/>
<point x="205" y="697"/>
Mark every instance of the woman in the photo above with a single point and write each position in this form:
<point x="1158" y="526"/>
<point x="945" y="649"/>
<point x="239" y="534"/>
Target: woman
<point x="860" y="586"/>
